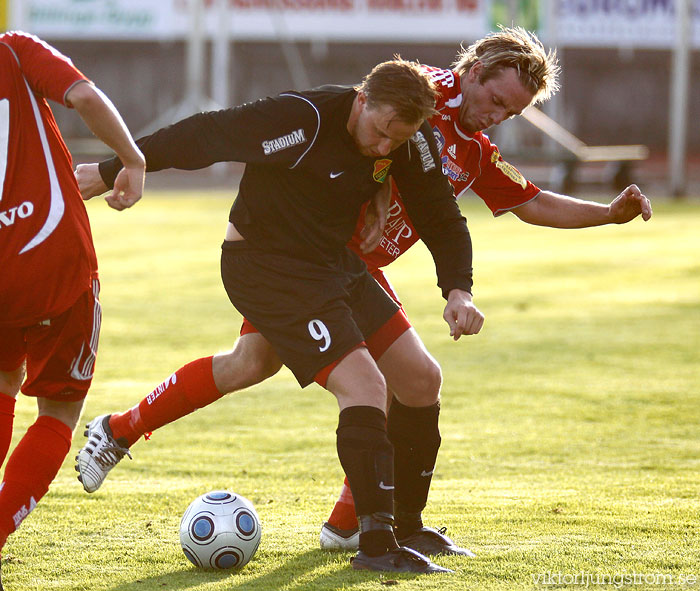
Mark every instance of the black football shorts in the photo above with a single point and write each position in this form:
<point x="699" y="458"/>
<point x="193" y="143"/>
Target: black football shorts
<point x="312" y="314"/>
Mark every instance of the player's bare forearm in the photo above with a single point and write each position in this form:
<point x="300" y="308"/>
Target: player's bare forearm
<point x="561" y="211"/>
<point x="104" y="121"/>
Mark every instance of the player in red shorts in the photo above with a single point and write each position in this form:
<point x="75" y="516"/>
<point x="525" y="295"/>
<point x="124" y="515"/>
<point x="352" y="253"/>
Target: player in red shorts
<point x="49" y="293"/>
<point x="492" y="80"/>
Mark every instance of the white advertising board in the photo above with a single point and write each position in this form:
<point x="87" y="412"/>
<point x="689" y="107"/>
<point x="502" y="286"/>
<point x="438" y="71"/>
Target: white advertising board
<point x="418" y="21"/>
<point x="92" y="19"/>
<point x="567" y="23"/>
<point x="619" y="23"/>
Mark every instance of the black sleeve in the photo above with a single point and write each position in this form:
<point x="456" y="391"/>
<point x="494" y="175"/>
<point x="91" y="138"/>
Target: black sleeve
<point x="276" y="130"/>
<point x="433" y="210"/>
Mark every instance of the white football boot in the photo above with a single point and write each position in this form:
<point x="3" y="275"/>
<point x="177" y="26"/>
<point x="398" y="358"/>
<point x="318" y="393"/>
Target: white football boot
<point x="99" y="455"/>
<point x="334" y="538"/>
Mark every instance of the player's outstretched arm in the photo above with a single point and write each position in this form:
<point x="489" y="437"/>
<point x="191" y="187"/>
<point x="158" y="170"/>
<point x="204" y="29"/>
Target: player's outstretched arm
<point x="462" y="316"/>
<point x="103" y="119"/>
<point x="561" y="211"/>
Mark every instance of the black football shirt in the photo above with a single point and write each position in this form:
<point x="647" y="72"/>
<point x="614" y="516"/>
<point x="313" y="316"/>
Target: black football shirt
<point x="305" y="180"/>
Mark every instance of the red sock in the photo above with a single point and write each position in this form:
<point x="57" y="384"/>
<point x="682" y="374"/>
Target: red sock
<point x="189" y="388"/>
<point x="343" y="514"/>
<point x="30" y="470"/>
<point x="7" y="418"/>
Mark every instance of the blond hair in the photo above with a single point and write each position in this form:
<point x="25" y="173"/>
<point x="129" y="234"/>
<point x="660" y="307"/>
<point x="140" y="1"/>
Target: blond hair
<point x="402" y="85"/>
<point x="538" y="69"/>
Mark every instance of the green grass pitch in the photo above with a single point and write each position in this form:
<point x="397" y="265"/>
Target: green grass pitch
<point x="571" y="425"/>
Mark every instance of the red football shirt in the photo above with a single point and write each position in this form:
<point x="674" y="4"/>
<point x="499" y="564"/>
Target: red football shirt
<point x="47" y="258"/>
<point x="470" y="161"/>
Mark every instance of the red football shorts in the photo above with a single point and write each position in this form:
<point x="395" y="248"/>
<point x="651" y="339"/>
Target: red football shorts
<point x="59" y="352"/>
<point x="378" y="343"/>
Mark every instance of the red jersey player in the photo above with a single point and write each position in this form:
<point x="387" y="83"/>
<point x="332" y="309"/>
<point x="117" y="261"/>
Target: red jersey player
<point x="493" y="79"/>
<point x="470" y="161"/>
<point x="49" y="306"/>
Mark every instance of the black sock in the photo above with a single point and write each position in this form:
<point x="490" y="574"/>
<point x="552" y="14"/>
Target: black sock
<point x="376" y="534"/>
<point x="415" y="435"/>
<point x="406" y="522"/>
<point x="367" y="458"/>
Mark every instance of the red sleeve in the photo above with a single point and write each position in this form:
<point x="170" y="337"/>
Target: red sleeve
<point x="48" y="72"/>
<point x="500" y="184"/>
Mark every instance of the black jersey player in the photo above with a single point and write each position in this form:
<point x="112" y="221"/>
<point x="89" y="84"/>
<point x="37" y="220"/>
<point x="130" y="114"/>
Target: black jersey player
<point x="313" y="158"/>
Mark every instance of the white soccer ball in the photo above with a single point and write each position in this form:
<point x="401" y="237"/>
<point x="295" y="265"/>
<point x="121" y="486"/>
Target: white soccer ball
<point x="220" y="529"/>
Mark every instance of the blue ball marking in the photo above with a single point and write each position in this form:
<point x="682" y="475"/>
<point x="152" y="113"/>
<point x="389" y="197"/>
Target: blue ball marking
<point x="245" y="523"/>
<point x="190" y="556"/>
<point x="218" y="496"/>
<point x="227" y="560"/>
<point x="202" y="528"/>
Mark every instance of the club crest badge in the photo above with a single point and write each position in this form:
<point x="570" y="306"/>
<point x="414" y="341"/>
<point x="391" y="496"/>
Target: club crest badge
<point x="381" y="169"/>
<point x="508" y="169"/>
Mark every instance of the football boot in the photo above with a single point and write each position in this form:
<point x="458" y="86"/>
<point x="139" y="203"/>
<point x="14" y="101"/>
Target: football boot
<point x="433" y="542"/>
<point x="334" y="538"/>
<point x="99" y="455"/>
<point x="399" y="560"/>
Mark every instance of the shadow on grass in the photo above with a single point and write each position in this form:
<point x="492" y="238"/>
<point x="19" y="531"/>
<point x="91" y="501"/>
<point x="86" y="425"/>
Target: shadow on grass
<point x="295" y="574"/>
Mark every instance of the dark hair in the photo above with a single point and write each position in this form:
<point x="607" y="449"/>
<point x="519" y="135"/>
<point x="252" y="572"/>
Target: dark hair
<point x="404" y="86"/>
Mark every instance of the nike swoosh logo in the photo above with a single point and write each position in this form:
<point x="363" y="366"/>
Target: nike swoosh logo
<point x="335" y="175"/>
<point x="384" y="486"/>
<point x="426" y="474"/>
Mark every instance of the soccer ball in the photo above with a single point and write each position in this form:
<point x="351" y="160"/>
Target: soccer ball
<point x="220" y="529"/>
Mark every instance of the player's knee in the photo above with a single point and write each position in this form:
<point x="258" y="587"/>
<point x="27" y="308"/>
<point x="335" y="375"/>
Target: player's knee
<point x="261" y="367"/>
<point x="244" y="367"/>
<point x="10" y="381"/>
<point x="422" y="388"/>
<point x="357" y="381"/>
<point x="66" y="412"/>
<point x="430" y="381"/>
